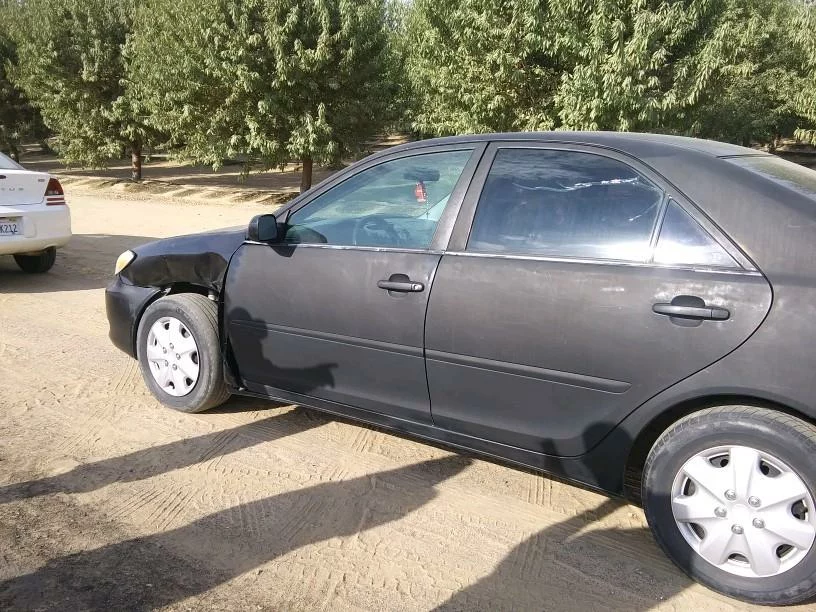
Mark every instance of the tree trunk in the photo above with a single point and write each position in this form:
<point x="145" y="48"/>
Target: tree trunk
<point x="136" y="161"/>
<point x="774" y="145"/>
<point x="306" y="175"/>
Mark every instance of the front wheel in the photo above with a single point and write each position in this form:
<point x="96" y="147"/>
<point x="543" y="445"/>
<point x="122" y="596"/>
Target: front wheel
<point x="180" y="354"/>
<point x="39" y="263"/>
<point x="729" y="494"/>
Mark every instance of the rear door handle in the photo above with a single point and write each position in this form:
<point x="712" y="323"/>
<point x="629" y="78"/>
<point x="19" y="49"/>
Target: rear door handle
<point x="401" y="286"/>
<point x="692" y="312"/>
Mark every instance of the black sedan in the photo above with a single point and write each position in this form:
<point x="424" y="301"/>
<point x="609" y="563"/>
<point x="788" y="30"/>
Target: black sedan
<point x="633" y="312"/>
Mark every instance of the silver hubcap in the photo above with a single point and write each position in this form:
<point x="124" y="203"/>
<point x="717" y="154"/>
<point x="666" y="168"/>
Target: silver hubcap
<point x="744" y="511"/>
<point x="172" y="353"/>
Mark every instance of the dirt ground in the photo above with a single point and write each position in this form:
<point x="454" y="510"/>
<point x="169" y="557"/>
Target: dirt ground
<point x="162" y="169"/>
<point x="110" y="501"/>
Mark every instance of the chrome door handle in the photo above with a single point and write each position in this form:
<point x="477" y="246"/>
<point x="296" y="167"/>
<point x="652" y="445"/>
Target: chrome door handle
<point x="692" y="312"/>
<point x="401" y="286"/>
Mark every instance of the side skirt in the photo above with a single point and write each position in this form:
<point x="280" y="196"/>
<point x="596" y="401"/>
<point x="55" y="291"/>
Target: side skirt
<point x="599" y="473"/>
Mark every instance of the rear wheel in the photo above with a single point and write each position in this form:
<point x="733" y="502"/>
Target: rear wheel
<point x="180" y="354"/>
<point x="729" y="494"/>
<point x="37" y="263"/>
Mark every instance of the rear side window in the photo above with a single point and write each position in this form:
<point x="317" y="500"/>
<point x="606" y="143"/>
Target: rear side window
<point x="792" y="176"/>
<point x="683" y="241"/>
<point x="567" y="204"/>
<point x="7" y="163"/>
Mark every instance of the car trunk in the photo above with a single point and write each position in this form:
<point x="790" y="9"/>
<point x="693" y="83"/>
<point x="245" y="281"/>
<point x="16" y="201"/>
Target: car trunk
<point x="22" y="187"/>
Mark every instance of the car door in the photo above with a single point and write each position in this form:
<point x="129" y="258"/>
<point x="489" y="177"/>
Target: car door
<point x="336" y="310"/>
<point x="577" y="285"/>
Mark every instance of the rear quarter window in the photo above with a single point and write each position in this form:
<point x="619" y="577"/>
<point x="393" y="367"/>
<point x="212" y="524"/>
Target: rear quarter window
<point x="7" y="163"/>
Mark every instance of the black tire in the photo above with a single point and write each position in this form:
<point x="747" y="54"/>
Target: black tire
<point x="37" y="264"/>
<point x="791" y="440"/>
<point x="200" y="316"/>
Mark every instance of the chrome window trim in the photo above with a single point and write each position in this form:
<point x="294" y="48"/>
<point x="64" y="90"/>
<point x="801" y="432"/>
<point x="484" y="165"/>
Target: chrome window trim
<point x="606" y="262"/>
<point x="515" y="256"/>
<point x="344" y="247"/>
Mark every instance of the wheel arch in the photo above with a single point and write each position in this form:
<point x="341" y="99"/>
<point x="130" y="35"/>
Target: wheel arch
<point x="172" y="289"/>
<point x="230" y="365"/>
<point x="658" y="422"/>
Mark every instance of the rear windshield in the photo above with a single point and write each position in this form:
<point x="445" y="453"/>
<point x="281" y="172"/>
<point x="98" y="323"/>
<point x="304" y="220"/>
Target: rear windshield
<point x="792" y="176"/>
<point x="7" y="163"/>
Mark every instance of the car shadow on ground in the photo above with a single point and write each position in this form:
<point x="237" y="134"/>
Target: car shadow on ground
<point x="103" y="578"/>
<point x="163" y="458"/>
<point x="86" y="262"/>
<point x="571" y="566"/>
<point x="566" y="565"/>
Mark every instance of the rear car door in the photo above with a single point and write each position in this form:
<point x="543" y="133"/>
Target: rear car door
<point x="577" y="285"/>
<point x="336" y="311"/>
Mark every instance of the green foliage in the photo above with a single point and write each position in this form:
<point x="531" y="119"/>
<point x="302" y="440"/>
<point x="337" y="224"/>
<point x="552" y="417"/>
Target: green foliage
<point x="727" y="69"/>
<point x="268" y="80"/>
<point x="757" y="102"/>
<point x="804" y="27"/>
<point x="482" y="65"/>
<point x="18" y="118"/>
<point x="71" y="65"/>
<point x="637" y="65"/>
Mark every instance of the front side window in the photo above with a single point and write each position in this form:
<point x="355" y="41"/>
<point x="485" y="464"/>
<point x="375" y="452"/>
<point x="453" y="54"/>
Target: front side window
<point x="394" y="204"/>
<point x="683" y="241"/>
<point x="565" y="204"/>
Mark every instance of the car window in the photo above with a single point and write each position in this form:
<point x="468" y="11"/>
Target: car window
<point x="567" y="204"/>
<point x="394" y="204"/>
<point x="683" y="241"/>
<point x="6" y="163"/>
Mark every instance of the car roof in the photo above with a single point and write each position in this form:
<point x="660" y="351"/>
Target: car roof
<point x="630" y="142"/>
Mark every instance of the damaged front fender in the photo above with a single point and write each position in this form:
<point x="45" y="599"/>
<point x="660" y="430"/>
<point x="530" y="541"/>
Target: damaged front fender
<point x="197" y="259"/>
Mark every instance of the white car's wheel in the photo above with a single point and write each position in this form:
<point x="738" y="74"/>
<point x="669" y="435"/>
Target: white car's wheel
<point x="729" y="494"/>
<point x="180" y="354"/>
<point x="37" y="263"/>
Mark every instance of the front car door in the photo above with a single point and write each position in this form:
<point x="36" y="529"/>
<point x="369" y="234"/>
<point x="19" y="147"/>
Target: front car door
<point x="552" y="311"/>
<point x="336" y="311"/>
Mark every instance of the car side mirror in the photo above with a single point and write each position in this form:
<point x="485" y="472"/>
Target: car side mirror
<point x="263" y="228"/>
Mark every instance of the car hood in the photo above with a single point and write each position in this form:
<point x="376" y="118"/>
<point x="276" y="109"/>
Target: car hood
<point x="196" y="259"/>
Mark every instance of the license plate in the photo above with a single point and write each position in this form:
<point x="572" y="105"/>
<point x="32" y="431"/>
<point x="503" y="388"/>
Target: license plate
<point x="10" y="226"/>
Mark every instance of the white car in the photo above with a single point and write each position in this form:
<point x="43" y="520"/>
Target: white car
<point x="34" y="218"/>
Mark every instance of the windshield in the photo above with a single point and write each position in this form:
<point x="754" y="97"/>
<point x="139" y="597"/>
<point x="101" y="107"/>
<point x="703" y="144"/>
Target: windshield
<point x="793" y="176"/>
<point x="7" y="163"/>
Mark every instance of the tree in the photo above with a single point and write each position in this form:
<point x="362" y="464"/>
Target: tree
<point x="639" y="65"/>
<point x="720" y="68"/>
<point x="482" y="66"/>
<point x="71" y="65"/>
<point x="804" y="27"/>
<point x="265" y="80"/>
<point x="18" y="118"/>
<point x="757" y="104"/>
